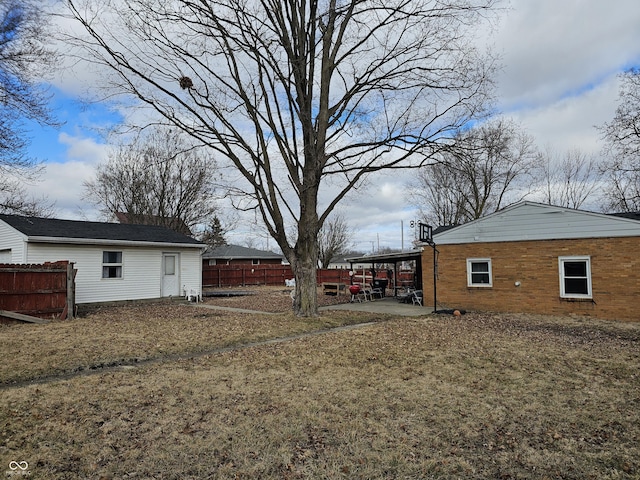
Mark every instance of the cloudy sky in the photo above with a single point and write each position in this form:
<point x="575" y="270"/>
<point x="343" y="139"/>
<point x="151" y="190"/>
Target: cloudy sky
<point x="559" y="80"/>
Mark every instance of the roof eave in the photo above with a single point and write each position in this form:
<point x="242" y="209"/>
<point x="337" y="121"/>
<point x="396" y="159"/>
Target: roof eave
<point x="101" y="241"/>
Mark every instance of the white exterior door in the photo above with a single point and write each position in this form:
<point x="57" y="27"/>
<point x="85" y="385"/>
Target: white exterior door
<point x="170" y="274"/>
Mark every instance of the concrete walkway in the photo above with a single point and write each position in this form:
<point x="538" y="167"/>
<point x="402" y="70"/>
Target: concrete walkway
<point x="387" y="305"/>
<point x="230" y="309"/>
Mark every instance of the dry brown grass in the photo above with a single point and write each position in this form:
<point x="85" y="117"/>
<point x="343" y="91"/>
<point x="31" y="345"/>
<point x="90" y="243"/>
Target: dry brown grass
<point x="481" y="396"/>
<point x="127" y="335"/>
<point x="268" y="299"/>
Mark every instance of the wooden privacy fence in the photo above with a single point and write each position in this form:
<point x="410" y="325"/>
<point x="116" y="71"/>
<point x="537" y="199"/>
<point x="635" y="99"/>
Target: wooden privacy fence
<point x="43" y="291"/>
<point x="244" y="275"/>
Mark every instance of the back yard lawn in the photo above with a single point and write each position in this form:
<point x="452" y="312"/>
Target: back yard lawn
<point x="481" y="396"/>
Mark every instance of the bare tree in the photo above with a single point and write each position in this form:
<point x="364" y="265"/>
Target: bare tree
<point x="24" y="60"/>
<point x="437" y="193"/>
<point x="14" y="200"/>
<point x="487" y="166"/>
<point x="621" y="191"/>
<point x="622" y="147"/>
<point x="335" y="237"/>
<point x="571" y="180"/>
<point x="158" y="179"/>
<point x="299" y="95"/>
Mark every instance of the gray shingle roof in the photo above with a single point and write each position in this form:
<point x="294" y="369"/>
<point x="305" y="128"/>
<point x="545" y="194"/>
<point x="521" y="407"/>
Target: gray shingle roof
<point x="230" y="252"/>
<point x="55" y="228"/>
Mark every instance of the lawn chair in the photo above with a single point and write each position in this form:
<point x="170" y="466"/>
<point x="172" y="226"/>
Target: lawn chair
<point x="416" y="297"/>
<point x="376" y="292"/>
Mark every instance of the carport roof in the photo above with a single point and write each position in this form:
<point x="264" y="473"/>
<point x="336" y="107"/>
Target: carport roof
<point x="387" y="257"/>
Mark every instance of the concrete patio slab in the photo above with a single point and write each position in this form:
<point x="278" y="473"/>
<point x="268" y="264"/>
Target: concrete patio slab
<point x="387" y="305"/>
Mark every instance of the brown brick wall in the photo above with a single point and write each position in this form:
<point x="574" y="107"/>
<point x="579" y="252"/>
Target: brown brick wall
<point x="615" y="276"/>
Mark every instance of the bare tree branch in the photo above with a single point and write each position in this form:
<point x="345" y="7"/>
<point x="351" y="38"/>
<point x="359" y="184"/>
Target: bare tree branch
<point x="158" y="179"/>
<point x="486" y="166"/>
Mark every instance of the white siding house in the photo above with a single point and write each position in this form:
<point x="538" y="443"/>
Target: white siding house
<point x="114" y="262"/>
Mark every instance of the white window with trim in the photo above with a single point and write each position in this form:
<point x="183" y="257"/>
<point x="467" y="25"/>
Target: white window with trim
<point x="479" y="272"/>
<point x="111" y="264"/>
<point x="575" y="277"/>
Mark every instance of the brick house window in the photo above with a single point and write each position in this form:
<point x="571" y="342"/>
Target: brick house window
<point x="479" y="272"/>
<point x="111" y="264"/>
<point x="575" y="277"/>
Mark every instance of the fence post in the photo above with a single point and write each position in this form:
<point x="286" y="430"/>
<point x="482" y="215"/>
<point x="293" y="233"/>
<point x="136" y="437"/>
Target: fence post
<point x="71" y="291"/>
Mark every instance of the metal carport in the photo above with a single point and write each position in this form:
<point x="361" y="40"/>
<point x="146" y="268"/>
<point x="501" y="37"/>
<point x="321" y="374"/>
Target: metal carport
<point x="395" y="258"/>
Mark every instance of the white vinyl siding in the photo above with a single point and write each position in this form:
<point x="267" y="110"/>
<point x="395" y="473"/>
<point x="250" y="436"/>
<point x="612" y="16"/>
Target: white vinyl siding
<point x="575" y="277"/>
<point x="532" y="221"/>
<point x="14" y="242"/>
<point x="142" y="271"/>
<point x="479" y="272"/>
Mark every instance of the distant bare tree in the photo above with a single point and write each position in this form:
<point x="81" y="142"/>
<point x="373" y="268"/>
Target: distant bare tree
<point x="571" y="180"/>
<point x="158" y="179"/>
<point x="437" y="193"/>
<point x="622" y="147"/>
<point x="621" y="191"/>
<point x="487" y="166"/>
<point x="14" y="200"/>
<point x="334" y="238"/>
<point x="24" y="61"/>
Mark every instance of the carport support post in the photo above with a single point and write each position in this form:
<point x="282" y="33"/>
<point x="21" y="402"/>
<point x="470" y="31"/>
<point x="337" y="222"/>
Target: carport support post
<point x="435" y="276"/>
<point x="71" y="291"/>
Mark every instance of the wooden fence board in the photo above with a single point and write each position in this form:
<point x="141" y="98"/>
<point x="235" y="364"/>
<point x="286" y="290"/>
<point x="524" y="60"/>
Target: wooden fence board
<point x="245" y="275"/>
<point x="42" y="290"/>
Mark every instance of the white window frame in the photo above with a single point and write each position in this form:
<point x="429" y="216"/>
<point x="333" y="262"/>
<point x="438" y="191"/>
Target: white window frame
<point x="561" y="262"/>
<point x="470" y="262"/>
<point x="116" y="264"/>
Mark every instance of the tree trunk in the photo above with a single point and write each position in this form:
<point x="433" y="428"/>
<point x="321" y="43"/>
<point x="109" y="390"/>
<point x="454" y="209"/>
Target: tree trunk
<point x="305" y="261"/>
<point x="305" y="303"/>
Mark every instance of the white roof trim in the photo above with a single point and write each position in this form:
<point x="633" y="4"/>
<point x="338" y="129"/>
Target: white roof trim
<point x="527" y="220"/>
<point x="99" y="241"/>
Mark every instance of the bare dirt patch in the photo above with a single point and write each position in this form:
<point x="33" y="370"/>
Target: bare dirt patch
<point x="475" y="397"/>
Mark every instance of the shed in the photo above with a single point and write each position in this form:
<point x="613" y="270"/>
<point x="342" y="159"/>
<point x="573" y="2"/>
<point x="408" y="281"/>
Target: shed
<point x="238" y="255"/>
<point x="114" y="262"/>
<point x="537" y="258"/>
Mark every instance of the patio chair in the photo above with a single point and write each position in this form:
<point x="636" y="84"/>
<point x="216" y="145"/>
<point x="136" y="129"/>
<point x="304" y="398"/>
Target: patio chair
<point x="376" y="292"/>
<point x="416" y="297"/>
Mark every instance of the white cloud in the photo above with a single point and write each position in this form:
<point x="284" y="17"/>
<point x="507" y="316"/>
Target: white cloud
<point x="63" y="182"/>
<point x="572" y="122"/>
<point x="553" y="49"/>
<point x="86" y="150"/>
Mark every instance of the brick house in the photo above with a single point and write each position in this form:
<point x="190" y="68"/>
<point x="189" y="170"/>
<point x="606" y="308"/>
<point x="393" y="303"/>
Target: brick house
<point x="537" y="258"/>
